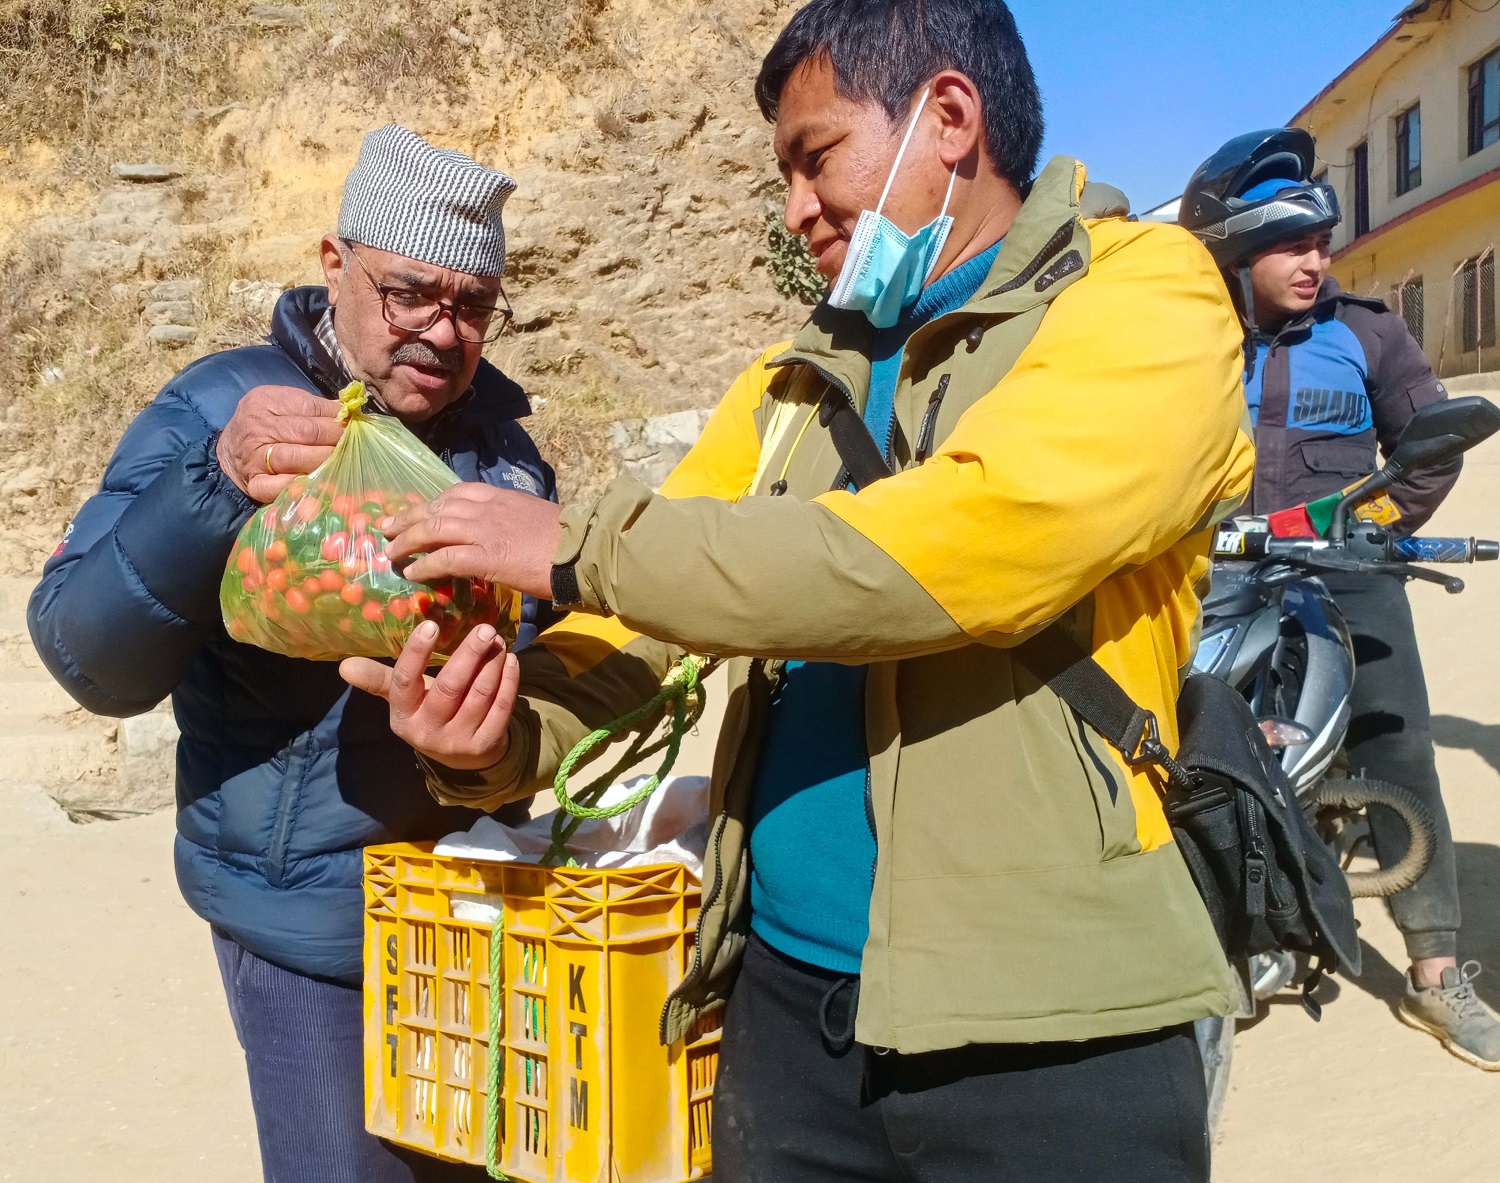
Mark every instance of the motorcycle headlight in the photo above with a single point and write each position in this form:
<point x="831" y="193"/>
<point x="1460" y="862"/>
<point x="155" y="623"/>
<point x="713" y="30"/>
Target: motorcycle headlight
<point x="1210" y="649"/>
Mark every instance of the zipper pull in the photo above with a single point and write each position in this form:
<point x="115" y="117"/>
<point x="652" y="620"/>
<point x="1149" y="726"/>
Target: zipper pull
<point x="1255" y="884"/>
<point x="929" y="419"/>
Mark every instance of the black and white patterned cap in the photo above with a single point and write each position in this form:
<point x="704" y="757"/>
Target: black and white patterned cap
<point x="432" y="204"/>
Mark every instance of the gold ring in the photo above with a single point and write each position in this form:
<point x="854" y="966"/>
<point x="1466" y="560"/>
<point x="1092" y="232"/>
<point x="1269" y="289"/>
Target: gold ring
<point x="269" y="449"/>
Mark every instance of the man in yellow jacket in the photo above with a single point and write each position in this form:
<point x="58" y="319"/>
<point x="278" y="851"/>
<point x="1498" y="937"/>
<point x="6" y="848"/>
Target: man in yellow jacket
<point x="955" y="937"/>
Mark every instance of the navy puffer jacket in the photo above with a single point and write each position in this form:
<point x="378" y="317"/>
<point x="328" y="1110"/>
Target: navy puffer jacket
<point x="284" y="773"/>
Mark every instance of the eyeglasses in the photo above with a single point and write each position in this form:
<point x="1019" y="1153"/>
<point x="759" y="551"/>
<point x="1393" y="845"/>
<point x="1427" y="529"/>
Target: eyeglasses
<point x="416" y="312"/>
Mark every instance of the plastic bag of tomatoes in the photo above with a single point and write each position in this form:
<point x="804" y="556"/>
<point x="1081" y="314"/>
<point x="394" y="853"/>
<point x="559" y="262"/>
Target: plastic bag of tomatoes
<point x="309" y="577"/>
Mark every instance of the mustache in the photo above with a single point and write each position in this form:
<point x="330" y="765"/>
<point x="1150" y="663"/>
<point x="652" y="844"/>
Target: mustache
<point x="420" y="353"/>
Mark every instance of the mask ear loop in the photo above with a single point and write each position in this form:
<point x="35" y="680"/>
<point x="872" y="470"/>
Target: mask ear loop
<point x="948" y="196"/>
<point x="910" y="128"/>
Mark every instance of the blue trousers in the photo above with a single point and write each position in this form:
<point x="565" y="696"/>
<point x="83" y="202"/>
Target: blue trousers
<point x="302" y="1038"/>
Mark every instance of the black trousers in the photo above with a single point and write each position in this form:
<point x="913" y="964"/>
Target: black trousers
<point x="1390" y="738"/>
<point x="799" y="1103"/>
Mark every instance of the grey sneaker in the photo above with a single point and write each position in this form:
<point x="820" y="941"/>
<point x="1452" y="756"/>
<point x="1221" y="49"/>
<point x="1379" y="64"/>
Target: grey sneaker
<point x="1453" y="1015"/>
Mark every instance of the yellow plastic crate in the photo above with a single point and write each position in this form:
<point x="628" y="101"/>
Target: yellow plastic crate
<point x="588" y="959"/>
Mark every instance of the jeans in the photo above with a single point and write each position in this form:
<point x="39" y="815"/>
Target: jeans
<point x="303" y="1047"/>
<point x="1390" y="739"/>
<point x="799" y="1101"/>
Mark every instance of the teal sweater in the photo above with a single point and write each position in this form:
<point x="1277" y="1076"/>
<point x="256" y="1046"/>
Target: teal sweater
<point x="812" y="842"/>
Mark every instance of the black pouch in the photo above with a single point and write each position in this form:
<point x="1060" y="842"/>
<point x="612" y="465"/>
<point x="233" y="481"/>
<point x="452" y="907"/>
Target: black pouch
<point x="1267" y="880"/>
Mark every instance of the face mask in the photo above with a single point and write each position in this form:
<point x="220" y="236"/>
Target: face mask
<point x="884" y="270"/>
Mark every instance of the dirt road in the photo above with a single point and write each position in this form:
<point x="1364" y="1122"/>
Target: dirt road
<point x="117" y="1059"/>
<point x="1359" y="1096"/>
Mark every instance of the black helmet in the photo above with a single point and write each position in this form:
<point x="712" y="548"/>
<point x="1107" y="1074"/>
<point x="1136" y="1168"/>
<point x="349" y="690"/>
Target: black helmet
<point x="1235" y="206"/>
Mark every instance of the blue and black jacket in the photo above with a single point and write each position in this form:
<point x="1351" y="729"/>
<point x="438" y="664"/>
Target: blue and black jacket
<point x="284" y="773"/>
<point x="1331" y="391"/>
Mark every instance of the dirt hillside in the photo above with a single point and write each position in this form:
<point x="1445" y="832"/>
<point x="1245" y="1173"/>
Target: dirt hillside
<point x="167" y="169"/>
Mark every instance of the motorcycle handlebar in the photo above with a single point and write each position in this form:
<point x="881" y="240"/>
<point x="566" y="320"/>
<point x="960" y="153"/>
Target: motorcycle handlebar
<point x="1231" y="544"/>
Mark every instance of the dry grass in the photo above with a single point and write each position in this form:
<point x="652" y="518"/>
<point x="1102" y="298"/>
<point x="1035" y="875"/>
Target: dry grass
<point x="572" y="415"/>
<point x="95" y="77"/>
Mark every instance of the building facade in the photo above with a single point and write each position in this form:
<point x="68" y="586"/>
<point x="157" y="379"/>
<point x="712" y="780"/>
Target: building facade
<point x="1409" y="135"/>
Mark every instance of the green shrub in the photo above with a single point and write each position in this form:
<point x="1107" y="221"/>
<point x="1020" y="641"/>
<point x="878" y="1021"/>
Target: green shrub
<point x="793" y="269"/>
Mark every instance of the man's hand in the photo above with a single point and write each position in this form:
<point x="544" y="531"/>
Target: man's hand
<point x="479" y="532"/>
<point x="294" y="430"/>
<point x="459" y="718"/>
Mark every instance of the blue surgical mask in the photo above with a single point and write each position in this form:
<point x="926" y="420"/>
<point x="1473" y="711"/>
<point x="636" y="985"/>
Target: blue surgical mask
<point x="885" y="270"/>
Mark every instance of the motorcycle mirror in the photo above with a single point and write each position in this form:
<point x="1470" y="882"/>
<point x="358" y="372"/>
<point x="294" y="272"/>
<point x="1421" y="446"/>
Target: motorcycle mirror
<point x="1444" y="431"/>
<point x="1284" y="733"/>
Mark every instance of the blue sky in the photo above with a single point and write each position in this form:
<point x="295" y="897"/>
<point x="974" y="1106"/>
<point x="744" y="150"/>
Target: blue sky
<point x="1144" y="92"/>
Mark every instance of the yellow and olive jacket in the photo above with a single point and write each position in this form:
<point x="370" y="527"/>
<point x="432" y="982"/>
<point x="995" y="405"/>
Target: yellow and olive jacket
<point x="1065" y="442"/>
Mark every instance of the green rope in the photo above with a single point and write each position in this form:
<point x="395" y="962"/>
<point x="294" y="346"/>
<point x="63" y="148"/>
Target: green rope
<point x="682" y="689"/>
<point x="497" y="1059"/>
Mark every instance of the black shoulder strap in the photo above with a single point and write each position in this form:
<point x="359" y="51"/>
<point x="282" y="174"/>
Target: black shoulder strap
<point x="1081" y="682"/>
<point x="864" y="462"/>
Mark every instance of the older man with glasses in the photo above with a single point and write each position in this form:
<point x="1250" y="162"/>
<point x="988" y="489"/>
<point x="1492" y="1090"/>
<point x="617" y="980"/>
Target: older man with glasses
<point x="283" y="773"/>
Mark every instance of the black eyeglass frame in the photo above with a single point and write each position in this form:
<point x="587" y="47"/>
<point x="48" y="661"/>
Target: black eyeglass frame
<point x="451" y="308"/>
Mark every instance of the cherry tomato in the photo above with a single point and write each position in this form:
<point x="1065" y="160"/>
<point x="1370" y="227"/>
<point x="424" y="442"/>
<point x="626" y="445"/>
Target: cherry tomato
<point x="297" y="601"/>
<point x="370" y="610"/>
<point x="251" y="580"/>
<point x="343" y="505"/>
<point x="276" y="551"/>
<point x="311" y="586"/>
<point x="296" y="490"/>
<point x="307" y="509"/>
<point x="398" y="608"/>
<point x="335" y="546"/>
<point x="330" y="580"/>
<point x="346" y="625"/>
<point x="276" y="579"/>
<point x="350" y="566"/>
<point x="352" y="593"/>
<point x="421" y="602"/>
<point x="360" y="522"/>
<point x="245" y="560"/>
<point x="238" y="630"/>
<point x="443" y="594"/>
<point x="380" y="563"/>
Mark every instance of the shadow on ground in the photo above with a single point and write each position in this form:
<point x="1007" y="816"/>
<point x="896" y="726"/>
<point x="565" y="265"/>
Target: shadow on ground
<point x="1452" y="731"/>
<point x="1478" y="894"/>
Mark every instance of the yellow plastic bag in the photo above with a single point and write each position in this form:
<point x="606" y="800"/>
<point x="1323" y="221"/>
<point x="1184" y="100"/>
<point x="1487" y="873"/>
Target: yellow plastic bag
<point x="309" y="577"/>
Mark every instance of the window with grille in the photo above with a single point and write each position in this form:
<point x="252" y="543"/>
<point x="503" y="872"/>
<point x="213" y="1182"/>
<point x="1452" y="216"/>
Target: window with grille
<point x="1409" y="300"/>
<point x="1408" y="150"/>
<point x="1484" y="102"/>
<point x="1476" y="303"/>
<point x="1361" y="190"/>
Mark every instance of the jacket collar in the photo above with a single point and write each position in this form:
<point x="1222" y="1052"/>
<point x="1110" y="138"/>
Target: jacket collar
<point x="1045" y="251"/>
<point x="294" y="330"/>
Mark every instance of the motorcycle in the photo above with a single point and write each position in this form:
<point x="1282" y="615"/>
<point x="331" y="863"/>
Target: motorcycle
<point x="1272" y="630"/>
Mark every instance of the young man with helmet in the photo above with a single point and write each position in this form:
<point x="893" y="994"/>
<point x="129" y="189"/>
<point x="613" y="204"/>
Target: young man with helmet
<point x="1330" y="379"/>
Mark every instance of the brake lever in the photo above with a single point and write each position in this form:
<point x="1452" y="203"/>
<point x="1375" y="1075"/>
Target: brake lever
<point x="1337" y="560"/>
<point x="1449" y="583"/>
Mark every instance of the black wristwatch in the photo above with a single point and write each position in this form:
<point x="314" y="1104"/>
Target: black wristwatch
<point x="565" y="584"/>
